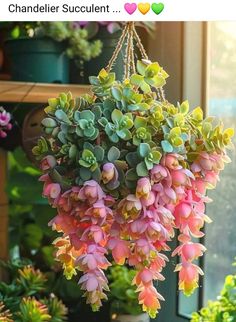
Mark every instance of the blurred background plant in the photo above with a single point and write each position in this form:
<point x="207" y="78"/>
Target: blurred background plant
<point x="224" y="308"/>
<point x="27" y="297"/>
<point x="93" y="27"/>
<point x="40" y="51"/>
<point x="124" y="299"/>
<point x="76" y="38"/>
<point x="80" y="37"/>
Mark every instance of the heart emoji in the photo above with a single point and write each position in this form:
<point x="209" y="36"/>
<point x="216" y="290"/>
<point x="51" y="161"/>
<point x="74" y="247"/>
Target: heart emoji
<point x="158" y="8"/>
<point x="130" y="8"/>
<point x="144" y="7"/>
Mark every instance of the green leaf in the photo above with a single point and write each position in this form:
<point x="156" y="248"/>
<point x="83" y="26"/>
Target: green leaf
<point x="114" y="138"/>
<point x="124" y="134"/>
<point x="149" y="164"/>
<point x="113" y="154"/>
<point x="103" y="121"/>
<point x="144" y="149"/>
<point x="142" y="169"/>
<point x="156" y="156"/>
<point x="166" y="146"/>
<point x="61" y="136"/>
<point x="96" y="175"/>
<point x="97" y="111"/>
<point x="141" y="67"/>
<point x="49" y="122"/>
<point x="87" y="153"/>
<point x="131" y="175"/>
<point x="88" y="145"/>
<point x="99" y="153"/>
<point x="85" y="174"/>
<point x="53" y="102"/>
<point x="152" y="70"/>
<point x="178" y="141"/>
<point x="197" y="114"/>
<point x="132" y="158"/>
<point x="77" y="116"/>
<point x="89" y="132"/>
<point x="145" y="87"/>
<point x="87" y="115"/>
<point x="83" y="123"/>
<point x="63" y="97"/>
<point x="62" y="116"/>
<point x="184" y="107"/>
<point x="143" y="106"/>
<point x="73" y="152"/>
<point x="84" y="163"/>
<point x="176" y="131"/>
<point x="94" y="80"/>
<point x="136" y="79"/>
<point x="116" y="93"/>
<point x="206" y="128"/>
<point x="159" y="81"/>
<point x="116" y="115"/>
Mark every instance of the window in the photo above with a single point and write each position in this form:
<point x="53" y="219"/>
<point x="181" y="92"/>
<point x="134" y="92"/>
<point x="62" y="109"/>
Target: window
<point x="221" y="234"/>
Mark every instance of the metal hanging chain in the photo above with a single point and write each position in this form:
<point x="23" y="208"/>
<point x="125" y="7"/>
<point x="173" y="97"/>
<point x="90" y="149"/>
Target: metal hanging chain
<point x="130" y="34"/>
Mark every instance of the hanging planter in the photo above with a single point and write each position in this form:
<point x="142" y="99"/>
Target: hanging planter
<point x="126" y="170"/>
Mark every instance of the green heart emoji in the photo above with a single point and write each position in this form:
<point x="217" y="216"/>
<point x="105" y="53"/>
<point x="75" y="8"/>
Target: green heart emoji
<point x="158" y="8"/>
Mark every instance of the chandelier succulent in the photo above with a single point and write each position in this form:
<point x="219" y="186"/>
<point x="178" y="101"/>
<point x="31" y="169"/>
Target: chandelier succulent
<point x="128" y="171"/>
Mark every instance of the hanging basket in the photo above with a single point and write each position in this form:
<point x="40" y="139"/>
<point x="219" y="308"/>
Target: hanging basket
<point x="126" y="171"/>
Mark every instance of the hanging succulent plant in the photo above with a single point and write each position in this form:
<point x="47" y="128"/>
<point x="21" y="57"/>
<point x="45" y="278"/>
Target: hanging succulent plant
<point x="126" y="169"/>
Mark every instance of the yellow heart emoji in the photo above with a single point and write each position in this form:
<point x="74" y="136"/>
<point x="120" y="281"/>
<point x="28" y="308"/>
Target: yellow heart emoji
<point x="144" y="7"/>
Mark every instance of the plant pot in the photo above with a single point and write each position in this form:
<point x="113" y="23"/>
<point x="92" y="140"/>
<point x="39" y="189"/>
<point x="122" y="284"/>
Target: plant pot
<point x="132" y="318"/>
<point x="93" y="67"/>
<point x="38" y="60"/>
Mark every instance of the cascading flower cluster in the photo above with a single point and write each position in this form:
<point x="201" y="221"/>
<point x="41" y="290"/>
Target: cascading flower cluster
<point x="5" y="122"/>
<point x="127" y="171"/>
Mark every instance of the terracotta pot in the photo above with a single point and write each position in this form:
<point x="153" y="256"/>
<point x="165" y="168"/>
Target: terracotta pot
<point x="132" y="318"/>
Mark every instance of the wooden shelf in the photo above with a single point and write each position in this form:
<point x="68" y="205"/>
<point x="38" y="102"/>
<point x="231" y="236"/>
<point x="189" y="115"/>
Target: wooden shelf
<point x="15" y="92"/>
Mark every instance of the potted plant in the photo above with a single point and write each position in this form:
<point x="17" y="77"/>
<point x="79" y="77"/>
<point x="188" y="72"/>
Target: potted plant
<point x="124" y="299"/>
<point x="40" y="52"/>
<point x="222" y="309"/>
<point x="26" y="298"/>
